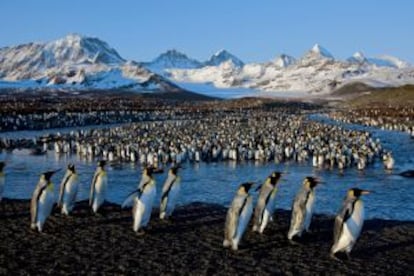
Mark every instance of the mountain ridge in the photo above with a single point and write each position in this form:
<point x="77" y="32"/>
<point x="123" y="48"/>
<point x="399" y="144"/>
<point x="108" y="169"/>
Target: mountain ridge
<point x="81" y="62"/>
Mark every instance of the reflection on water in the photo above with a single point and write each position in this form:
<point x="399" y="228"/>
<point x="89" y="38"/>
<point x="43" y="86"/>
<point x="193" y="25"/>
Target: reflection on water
<point x="393" y="196"/>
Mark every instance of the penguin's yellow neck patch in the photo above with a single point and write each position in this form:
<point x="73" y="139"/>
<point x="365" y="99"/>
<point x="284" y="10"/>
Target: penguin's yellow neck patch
<point x="274" y="192"/>
<point x="50" y="187"/>
<point x="1" y="174"/>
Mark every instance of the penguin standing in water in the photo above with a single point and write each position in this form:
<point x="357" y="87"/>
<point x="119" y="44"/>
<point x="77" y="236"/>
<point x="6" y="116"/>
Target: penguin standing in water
<point x="388" y="161"/>
<point x="170" y="192"/>
<point x="349" y="222"/>
<point x="266" y="202"/>
<point x="238" y="216"/>
<point x="143" y="200"/>
<point x="2" y="179"/>
<point x="98" y="187"/>
<point x="302" y="208"/>
<point x="42" y="201"/>
<point x="68" y="190"/>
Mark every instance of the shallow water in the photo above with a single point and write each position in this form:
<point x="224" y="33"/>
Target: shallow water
<point x="393" y="196"/>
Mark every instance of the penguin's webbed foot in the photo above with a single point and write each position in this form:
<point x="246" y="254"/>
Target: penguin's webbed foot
<point x="140" y="232"/>
<point x="294" y="242"/>
<point x="332" y="255"/>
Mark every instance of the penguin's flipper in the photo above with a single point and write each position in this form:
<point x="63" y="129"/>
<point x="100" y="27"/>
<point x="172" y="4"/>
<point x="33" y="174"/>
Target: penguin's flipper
<point x="62" y="189"/>
<point x="341" y="218"/>
<point x="92" y="190"/>
<point x="164" y="201"/>
<point x="129" y="200"/>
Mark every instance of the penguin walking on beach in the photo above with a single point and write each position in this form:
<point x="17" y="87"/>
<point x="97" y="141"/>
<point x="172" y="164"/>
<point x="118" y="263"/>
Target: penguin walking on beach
<point x="302" y="208"/>
<point x="238" y="216"/>
<point x="142" y="200"/>
<point x="2" y="179"/>
<point x="68" y="190"/>
<point x="349" y="222"/>
<point x="170" y="192"/>
<point x="98" y="187"/>
<point x="266" y="202"/>
<point x="42" y="201"/>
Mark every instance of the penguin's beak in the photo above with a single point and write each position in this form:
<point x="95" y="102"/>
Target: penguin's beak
<point x="365" y="192"/>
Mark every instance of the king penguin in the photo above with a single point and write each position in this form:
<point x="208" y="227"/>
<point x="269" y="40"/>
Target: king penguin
<point x="170" y="192"/>
<point x="2" y="179"/>
<point x="98" y="187"/>
<point x="266" y="202"/>
<point x="349" y="222"/>
<point x="302" y="208"/>
<point x="42" y="201"/>
<point x="238" y="216"/>
<point x="68" y="190"/>
<point x="143" y="200"/>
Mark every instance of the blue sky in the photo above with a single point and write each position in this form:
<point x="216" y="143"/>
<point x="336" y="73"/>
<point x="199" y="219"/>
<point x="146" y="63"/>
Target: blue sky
<point x="252" y="30"/>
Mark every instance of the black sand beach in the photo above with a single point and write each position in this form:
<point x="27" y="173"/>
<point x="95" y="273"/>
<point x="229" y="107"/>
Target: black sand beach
<point x="189" y="244"/>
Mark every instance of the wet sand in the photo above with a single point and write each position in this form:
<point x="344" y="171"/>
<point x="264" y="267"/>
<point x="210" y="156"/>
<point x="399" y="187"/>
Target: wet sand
<point x="190" y="244"/>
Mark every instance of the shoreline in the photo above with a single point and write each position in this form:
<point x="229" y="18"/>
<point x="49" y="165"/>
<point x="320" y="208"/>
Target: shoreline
<point x="191" y="243"/>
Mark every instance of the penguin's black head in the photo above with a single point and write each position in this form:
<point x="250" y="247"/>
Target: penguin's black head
<point x="313" y="181"/>
<point x="49" y="174"/>
<point x="71" y="167"/>
<point x="274" y="177"/>
<point x="2" y="165"/>
<point x="174" y="169"/>
<point x="101" y="163"/>
<point x="356" y="192"/>
<point x="246" y="186"/>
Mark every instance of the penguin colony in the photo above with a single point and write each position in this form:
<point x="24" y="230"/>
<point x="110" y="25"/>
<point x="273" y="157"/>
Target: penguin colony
<point x="239" y="137"/>
<point x="385" y="118"/>
<point x="347" y="228"/>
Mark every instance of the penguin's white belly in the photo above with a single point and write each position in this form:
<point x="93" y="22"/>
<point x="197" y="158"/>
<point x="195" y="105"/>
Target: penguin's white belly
<point x="143" y="208"/>
<point x="100" y="191"/>
<point x="71" y="189"/>
<point x="267" y="213"/>
<point x="172" y="198"/>
<point x="309" y="211"/>
<point x="44" y="207"/>
<point x="352" y="228"/>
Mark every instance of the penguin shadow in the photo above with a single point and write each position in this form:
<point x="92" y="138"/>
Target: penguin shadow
<point x="375" y="241"/>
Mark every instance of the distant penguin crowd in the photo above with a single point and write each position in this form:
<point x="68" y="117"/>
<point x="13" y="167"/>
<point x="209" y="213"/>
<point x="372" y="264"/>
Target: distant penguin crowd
<point x="259" y="136"/>
<point x="385" y="118"/>
<point x="347" y="228"/>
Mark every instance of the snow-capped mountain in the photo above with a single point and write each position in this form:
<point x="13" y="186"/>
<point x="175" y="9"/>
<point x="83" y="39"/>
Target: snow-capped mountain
<point x="284" y="61"/>
<point x="317" y="71"/>
<point x="357" y="57"/>
<point x="382" y="61"/>
<point x="78" y="62"/>
<point x="223" y="56"/>
<point x="172" y="59"/>
<point x="74" y="62"/>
